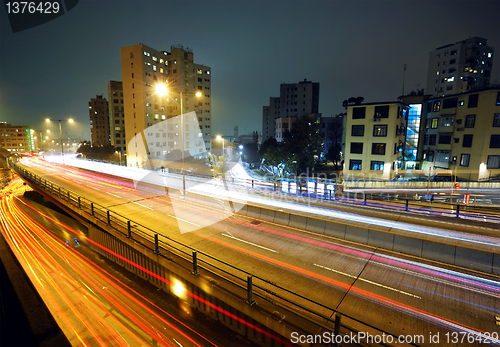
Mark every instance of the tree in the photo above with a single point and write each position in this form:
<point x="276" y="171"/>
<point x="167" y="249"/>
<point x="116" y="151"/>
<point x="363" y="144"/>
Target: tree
<point x="218" y="164"/>
<point x="250" y="153"/>
<point x="303" y="144"/>
<point x="334" y="154"/>
<point x="270" y="152"/>
<point x="353" y="101"/>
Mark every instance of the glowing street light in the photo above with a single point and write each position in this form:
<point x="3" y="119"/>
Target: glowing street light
<point x="221" y="138"/>
<point x="120" y="154"/>
<point x="48" y="120"/>
<point x="162" y="90"/>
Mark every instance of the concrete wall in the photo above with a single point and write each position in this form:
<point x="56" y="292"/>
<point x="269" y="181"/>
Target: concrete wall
<point x="386" y="238"/>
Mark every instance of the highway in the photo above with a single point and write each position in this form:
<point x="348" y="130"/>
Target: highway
<point x="401" y="295"/>
<point x="92" y="303"/>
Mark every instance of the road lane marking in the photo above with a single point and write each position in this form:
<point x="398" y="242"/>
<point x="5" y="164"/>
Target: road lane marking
<point x="141" y="205"/>
<point x="185" y="221"/>
<point x="250" y="243"/>
<point x="368" y="281"/>
<point x="114" y="195"/>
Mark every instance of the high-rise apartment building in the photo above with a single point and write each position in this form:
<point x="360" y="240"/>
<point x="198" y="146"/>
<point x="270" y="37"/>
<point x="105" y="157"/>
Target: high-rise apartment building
<point x="460" y="67"/>
<point x="17" y="138"/>
<point x="295" y="100"/>
<point x="116" y="116"/>
<point x="375" y="139"/>
<point x="99" y="121"/>
<point x="143" y="68"/>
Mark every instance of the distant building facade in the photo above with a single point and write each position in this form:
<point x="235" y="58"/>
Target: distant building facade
<point x="116" y="112"/>
<point x="143" y="68"/>
<point x="99" y="121"/>
<point x="17" y="138"/>
<point x="295" y="100"/>
<point x="333" y="130"/>
<point x="283" y="125"/>
<point x="462" y="134"/>
<point x="460" y="67"/>
<point x="375" y="136"/>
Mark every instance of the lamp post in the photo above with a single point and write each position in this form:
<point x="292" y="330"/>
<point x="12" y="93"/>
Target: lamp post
<point x="219" y="138"/>
<point x="161" y="89"/>
<point x="120" y="154"/>
<point x="60" y="133"/>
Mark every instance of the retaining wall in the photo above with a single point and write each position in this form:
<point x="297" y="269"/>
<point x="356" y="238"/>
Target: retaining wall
<point x="470" y="257"/>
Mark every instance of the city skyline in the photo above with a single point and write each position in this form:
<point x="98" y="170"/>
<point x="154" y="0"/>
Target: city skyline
<point x="350" y="48"/>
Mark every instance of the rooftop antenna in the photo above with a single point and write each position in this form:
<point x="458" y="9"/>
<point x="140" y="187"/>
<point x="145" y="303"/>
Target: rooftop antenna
<point x="404" y="73"/>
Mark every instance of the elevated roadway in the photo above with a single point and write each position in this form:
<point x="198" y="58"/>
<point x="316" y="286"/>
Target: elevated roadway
<point x="412" y="295"/>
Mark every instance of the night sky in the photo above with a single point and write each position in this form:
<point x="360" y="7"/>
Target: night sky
<point x="352" y="48"/>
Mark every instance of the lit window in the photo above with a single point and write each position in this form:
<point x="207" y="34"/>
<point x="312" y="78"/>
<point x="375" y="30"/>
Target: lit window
<point x="175" y="61"/>
<point x="437" y="72"/>
<point x="354" y="164"/>
<point x="489" y="55"/>
<point x="145" y="53"/>
<point x="378" y="148"/>
<point x="199" y="71"/>
<point x="380" y="130"/>
<point x="156" y="116"/>
<point x="155" y="59"/>
<point x="207" y="72"/>
<point x="377" y="165"/>
<point x="162" y="116"/>
<point x="161" y="70"/>
<point x="154" y="67"/>
<point x="447" y="122"/>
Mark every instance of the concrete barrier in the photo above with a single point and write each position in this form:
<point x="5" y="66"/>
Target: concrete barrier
<point x="315" y="225"/>
<point x="474" y="259"/>
<point x="267" y="214"/>
<point x="356" y="233"/>
<point x="297" y="221"/>
<point x="334" y="229"/>
<point x="253" y="211"/>
<point x="438" y="251"/>
<point x="381" y="239"/>
<point x="408" y="245"/>
<point x="281" y="217"/>
<point x="496" y="264"/>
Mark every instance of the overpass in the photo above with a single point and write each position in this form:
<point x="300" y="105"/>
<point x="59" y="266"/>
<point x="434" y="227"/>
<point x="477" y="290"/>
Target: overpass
<point x="219" y="287"/>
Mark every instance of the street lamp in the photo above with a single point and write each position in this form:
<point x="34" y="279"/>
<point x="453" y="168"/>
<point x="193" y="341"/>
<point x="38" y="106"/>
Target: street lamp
<point x="120" y="154"/>
<point x="48" y="120"/>
<point x="219" y="138"/>
<point x="162" y="90"/>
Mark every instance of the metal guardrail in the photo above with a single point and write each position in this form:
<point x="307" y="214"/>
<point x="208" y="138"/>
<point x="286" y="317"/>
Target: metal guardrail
<point x="438" y="205"/>
<point x="158" y="243"/>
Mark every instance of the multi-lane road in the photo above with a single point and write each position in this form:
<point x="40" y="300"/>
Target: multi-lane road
<point x="93" y="303"/>
<point x="399" y="294"/>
